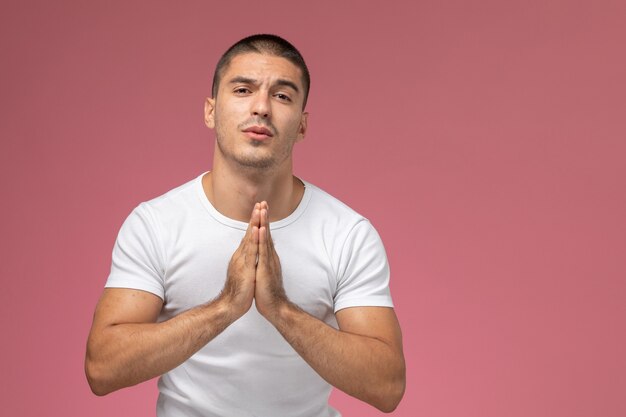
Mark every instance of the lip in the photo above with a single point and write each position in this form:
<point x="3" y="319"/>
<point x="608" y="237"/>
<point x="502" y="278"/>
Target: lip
<point x="258" y="132"/>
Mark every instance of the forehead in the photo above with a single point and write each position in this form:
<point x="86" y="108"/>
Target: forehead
<point x="262" y="67"/>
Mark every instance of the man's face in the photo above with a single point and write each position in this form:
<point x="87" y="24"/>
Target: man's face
<point x="257" y="114"/>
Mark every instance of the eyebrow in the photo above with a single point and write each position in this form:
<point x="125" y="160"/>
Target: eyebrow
<point x="288" y="83"/>
<point x="279" y="82"/>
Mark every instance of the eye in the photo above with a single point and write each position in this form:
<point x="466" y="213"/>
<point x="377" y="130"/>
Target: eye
<point x="282" y="97"/>
<point x="241" y="91"/>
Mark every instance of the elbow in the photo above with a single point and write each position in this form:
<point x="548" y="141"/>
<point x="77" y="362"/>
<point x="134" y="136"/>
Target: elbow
<point x="392" y="397"/>
<point x="391" y="392"/>
<point x="96" y="379"/>
<point x="98" y="390"/>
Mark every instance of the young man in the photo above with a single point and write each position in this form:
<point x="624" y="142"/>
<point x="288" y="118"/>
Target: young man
<point x="238" y="319"/>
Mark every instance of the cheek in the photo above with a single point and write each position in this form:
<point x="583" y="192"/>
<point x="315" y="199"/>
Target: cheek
<point x="228" y="111"/>
<point x="224" y="121"/>
<point x="222" y="129"/>
<point x="294" y="127"/>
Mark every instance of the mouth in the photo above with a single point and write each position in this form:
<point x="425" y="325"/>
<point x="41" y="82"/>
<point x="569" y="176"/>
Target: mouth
<point x="258" y="132"/>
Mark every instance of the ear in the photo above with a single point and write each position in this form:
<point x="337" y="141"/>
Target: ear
<point x="303" y="124"/>
<point x="209" y="113"/>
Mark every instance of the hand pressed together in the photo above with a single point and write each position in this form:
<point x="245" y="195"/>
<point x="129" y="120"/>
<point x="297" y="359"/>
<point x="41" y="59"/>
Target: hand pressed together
<point x="269" y="292"/>
<point x="238" y="290"/>
<point x="254" y="270"/>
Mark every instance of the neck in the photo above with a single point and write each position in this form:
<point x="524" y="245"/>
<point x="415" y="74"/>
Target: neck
<point x="233" y="191"/>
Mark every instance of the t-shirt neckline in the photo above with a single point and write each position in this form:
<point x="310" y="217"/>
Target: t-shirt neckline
<point x="227" y="221"/>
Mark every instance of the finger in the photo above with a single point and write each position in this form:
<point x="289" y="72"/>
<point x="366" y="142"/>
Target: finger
<point x="262" y="246"/>
<point x="265" y="221"/>
<point x="264" y="210"/>
<point x="254" y="222"/>
<point x="255" y="217"/>
<point x="265" y="215"/>
<point x="265" y="239"/>
<point x="250" y="240"/>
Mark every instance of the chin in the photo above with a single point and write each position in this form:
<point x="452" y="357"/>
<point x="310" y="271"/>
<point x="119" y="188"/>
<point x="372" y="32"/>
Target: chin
<point x="256" y="163"/>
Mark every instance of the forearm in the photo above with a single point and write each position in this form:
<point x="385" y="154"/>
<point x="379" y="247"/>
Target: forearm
<point x="367" y="368"/>
<point x="124" y="354"/>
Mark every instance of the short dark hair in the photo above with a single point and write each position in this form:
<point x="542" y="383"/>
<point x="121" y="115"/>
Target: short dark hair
<point x="263" y="44"/>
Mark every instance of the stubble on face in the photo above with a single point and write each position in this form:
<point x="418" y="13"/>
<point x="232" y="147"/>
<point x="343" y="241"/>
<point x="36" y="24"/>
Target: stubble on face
<point x="253" y="158"/>
<point x="232" y="145"/>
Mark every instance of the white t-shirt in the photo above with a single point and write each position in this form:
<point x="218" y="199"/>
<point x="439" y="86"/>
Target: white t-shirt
<point x="178" y="247"/>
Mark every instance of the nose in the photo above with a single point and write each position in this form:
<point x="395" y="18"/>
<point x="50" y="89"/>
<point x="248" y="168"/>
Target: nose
<point x="261" y="105"/>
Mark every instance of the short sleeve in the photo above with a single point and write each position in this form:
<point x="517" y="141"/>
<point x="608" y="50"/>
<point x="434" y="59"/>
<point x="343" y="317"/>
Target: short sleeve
<point x="363" y="273"/>
<point x="137" y="260"/>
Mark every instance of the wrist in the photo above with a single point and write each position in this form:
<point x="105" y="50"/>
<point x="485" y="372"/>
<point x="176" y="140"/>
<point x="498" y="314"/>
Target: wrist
<point x="225" y="308"/>
<point x="282" y="313"/>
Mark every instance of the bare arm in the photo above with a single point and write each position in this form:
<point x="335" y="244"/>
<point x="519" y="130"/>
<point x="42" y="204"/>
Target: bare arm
<point x="126" y="345"/>
<point x="363" y="358"/>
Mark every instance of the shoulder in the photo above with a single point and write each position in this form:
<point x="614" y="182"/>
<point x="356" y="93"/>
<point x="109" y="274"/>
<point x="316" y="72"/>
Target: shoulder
<point x="334" y="219"/>
<point x="176" y="196"/>
<point x="173" y="203"/>
<point x="166" y="211"/>
<point x="325" y="205"/>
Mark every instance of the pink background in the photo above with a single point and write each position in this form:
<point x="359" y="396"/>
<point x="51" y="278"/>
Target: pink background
<point x="485" y="141"/>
